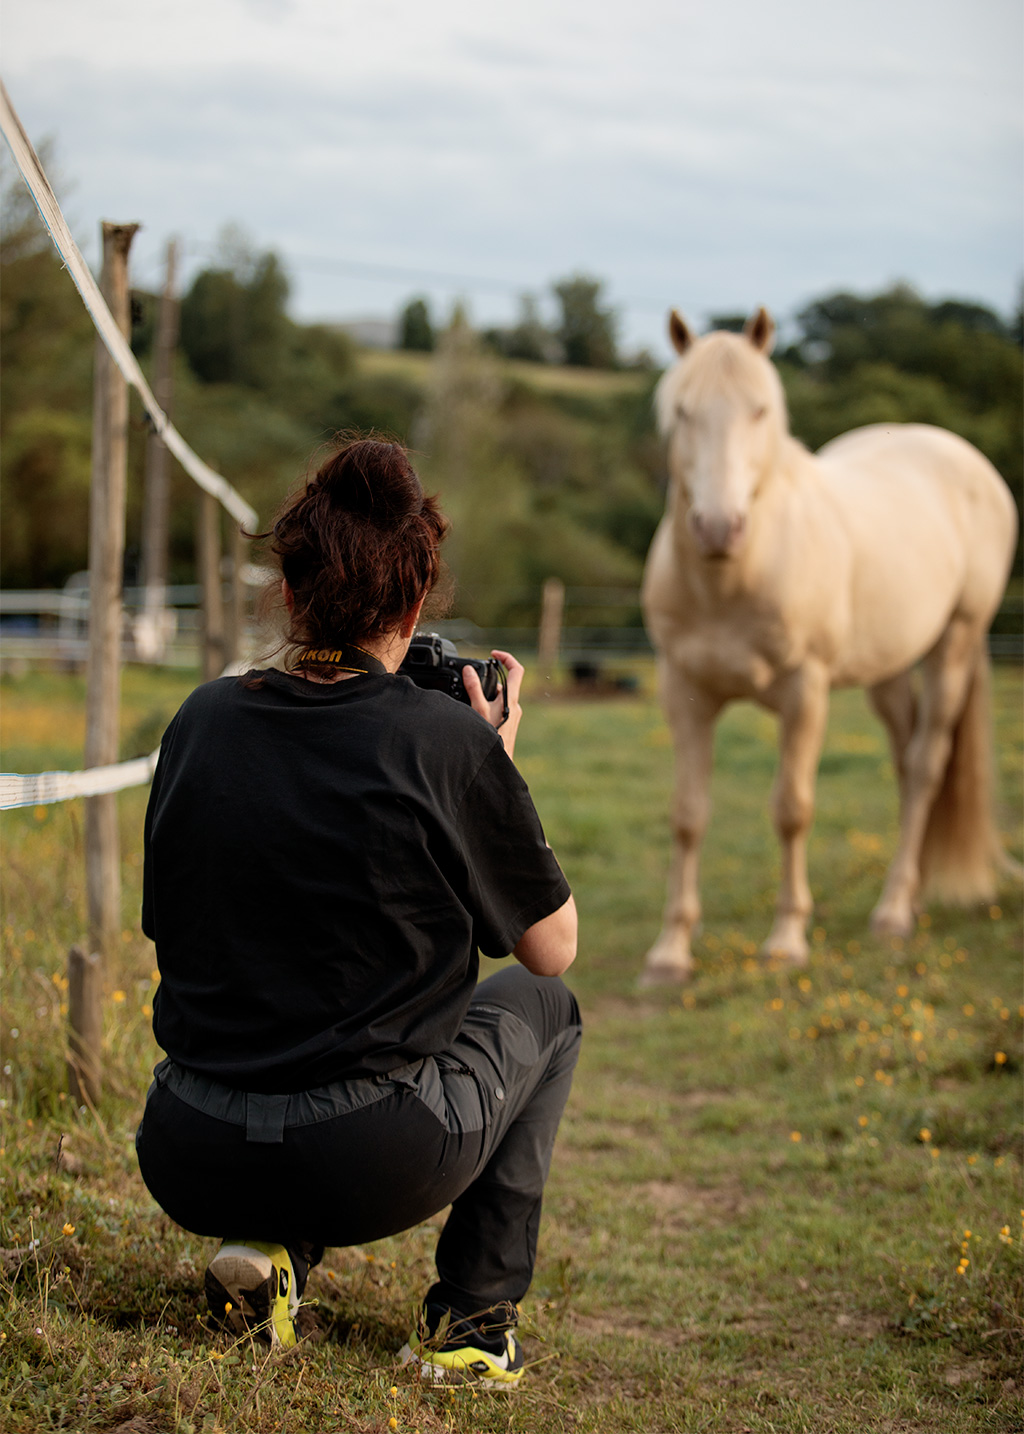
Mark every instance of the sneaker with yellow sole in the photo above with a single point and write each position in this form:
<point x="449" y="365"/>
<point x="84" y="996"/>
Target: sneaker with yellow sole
<point x="480" y="1350"/>
<point x="251" y="1289"/>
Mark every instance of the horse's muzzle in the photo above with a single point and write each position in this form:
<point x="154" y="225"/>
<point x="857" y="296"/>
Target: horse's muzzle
<point x="718" y="535"/>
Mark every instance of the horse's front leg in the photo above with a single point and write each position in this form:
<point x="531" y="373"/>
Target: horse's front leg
<point x="803" y="712"/>
<point x="691" y="714"/>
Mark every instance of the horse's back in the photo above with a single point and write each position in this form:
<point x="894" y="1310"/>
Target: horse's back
<point x="931" y="522"/>
<point x="912" y="466"/>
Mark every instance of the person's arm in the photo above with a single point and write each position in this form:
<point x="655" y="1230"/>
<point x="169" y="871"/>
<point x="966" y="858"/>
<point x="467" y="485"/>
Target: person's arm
<point x="548" y="947"/>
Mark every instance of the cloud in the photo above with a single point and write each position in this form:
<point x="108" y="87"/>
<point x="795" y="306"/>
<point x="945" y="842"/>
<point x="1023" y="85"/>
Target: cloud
<point x="716" y="156"/>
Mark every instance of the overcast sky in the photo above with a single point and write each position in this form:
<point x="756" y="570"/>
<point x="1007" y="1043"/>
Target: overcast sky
<point x="712" y="154"/>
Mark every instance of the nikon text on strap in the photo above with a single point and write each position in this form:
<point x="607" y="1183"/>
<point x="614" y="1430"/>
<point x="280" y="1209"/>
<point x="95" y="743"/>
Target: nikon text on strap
<point x="346" y="657"/>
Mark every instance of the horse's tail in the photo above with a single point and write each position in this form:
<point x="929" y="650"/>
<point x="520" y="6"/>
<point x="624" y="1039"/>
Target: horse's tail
<point x="962" y="848"/>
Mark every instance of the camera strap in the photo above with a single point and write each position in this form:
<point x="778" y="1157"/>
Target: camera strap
<point x="346" y="657"/>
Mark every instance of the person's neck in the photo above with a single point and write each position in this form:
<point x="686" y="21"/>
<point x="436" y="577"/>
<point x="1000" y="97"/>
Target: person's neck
<point x="390" y="649"/>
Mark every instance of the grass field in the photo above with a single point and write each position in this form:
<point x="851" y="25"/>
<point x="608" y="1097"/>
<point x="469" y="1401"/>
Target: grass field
<point x="544" y="378"/>
<point x="780" y="1202"/>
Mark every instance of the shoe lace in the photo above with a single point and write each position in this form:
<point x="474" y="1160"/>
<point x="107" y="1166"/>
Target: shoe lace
<point x="488" y="1325"/>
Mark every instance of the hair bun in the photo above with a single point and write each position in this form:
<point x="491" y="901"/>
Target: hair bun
<point x="373" y="479"/>
<point x="358" y="544"/>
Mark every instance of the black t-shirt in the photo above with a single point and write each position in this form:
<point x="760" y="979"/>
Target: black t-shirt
<point x="322" y="863"/>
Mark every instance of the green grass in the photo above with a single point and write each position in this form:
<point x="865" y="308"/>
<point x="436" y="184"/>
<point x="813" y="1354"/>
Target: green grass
<point x="701" y="1267"/>
<point x="543" y="378"/>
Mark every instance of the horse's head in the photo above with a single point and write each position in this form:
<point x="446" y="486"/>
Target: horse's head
<point x="722" y="410"/>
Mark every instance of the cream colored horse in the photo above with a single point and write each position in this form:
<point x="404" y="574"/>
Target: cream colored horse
<point x="777" y="574"/>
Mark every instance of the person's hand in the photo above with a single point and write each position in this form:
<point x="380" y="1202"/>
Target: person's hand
<point x="492" y="711"/>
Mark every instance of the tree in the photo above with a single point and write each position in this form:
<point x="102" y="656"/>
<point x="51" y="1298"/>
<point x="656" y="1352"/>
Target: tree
<point x="524" y="485"/>
<point x="529" y="338"/>
<point x="45" y="400"/>
<point x="731" y="323"/>
<point x="234" y="328"/>
<point x="586" y="331"/>
<point x="415" y="328"/>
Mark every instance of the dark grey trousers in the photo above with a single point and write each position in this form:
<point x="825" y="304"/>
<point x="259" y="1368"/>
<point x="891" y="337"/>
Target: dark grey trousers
<point x="351" y="1162"/>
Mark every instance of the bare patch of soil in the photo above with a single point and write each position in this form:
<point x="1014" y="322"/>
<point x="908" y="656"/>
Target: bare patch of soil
<point x="602" y="1326"/>
<point x="678" y="1204"/>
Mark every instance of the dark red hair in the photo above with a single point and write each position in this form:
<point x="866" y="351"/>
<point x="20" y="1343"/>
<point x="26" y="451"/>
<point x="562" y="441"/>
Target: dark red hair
<point x="359" y="544"/>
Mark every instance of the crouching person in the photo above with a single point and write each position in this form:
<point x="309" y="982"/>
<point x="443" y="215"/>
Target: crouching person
<point x="327" y="849"/>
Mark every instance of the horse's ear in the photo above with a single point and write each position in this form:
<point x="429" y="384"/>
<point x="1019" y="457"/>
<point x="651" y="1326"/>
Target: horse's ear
<point x="760" y="330"/>
<point x="678" y="332"/>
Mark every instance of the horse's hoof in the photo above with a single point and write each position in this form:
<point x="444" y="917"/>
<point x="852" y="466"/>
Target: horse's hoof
<point x="663" y="976"/>
<point x="787" y="942"/>
<point x="889" y="922"/>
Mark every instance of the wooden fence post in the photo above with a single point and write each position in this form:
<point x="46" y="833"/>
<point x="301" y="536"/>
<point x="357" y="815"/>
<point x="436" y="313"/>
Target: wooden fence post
<point x="106" y="563"/>
<point x="153" y="627"/>
<point x="550" y="637"/>
<point x="85" y="1016"/>
<point x="208" y="552"/>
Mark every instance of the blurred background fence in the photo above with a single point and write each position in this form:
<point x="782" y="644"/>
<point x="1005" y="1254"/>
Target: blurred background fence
<point x="51" y="625"/>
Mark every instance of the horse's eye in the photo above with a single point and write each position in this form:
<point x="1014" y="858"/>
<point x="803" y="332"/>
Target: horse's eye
<point x="681" y="412"/>
<point x="759" y="412"/>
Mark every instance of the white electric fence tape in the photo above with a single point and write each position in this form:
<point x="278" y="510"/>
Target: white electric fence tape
<point x="46" y="202"/>
<point x="42" y="788"/>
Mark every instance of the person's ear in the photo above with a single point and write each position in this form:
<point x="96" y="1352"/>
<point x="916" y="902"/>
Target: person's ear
<point x="288" y="595"/>
<point x="411" y="619"/>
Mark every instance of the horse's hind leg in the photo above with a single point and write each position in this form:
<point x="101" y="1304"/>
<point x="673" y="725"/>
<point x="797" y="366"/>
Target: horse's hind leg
<point x="947" y="675"/>
<point x="691" y="714"/>
<point x="895" y="703"/>
<point x="803" y="712"/>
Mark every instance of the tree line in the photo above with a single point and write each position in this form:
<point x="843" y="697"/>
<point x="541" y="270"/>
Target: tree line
<point x="542" y="478"/>
<point x="584" y="335"/>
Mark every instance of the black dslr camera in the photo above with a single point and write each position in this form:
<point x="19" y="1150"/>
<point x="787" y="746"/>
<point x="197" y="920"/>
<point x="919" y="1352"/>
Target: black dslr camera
<point x="434" y="663"/>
